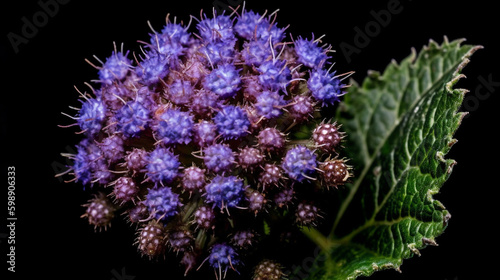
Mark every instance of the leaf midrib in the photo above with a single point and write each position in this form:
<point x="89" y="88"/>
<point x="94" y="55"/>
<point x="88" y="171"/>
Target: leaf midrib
<point x="368" y="166"/>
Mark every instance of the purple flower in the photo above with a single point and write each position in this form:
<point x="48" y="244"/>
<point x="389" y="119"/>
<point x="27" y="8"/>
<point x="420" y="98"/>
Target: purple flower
<point x="136" y="160"/>
<point x="325" y="87"/>
<point x="204" y="103"/>
<point x="245" y="26"/>
<point x="89" y="165"/>
<point x="204" y="133"/>
<point x="309" y="53"/>
<point x="224" y="81"/>
<point x="201" y="123"/>
<point x="302" y="107"/>
<point x="252" y="26"/>
<point x="232" y="122"/>
<point x="269" y="104"/>
<point x="171" y="41"/>
<point x="132" y="118"/>
<point x="219" y="28"/>
<point x="222" y="257"/>
<point x="162" y="202"/>
<point x="218" y="52"/>
<point x="91" y="116"/>
<point x="175" y="33"/>
<point x="299" y="163"/>
<point x="115" y="68"/>
<point x="218" y="158"/>
<point x="113" y="96"/>
<point x="224" y="192"/>
<point x="193" y="178"/>
<point x="180" y="92"/>
<point x="256" y="52"/>
<point x="175" y="127"/>
<point x="112" y="148"/>
<point x="153" y="68"/>
<point x="83" y="162"/>
<point x="163" y="166"/>
<point x="274" y="75"/>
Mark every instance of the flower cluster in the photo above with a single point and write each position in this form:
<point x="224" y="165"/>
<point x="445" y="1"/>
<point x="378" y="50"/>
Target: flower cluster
<point x="198" y="137"/>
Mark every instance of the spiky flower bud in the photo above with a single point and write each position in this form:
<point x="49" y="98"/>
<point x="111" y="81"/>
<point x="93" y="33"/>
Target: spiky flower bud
<point x="204" y="217"/>
<point x="179" y="240"/>
<point x="249" y="158"/>
<point x="271" y="139"/>
<point x="271" y="175"/>
<point x="125" y="190"/>
<point x="138" y="213"/>
<point x="100" y="211"/>
<point x="268" y="270"/>
<point x="193" y="179"/>
<point x="256" y="201"/>
<point x="243" y="239"/>
<point x="151" y="239"/>
<point x="307" y="214"/>
<point x="327" y="137"/>
<point x="136" y="160"/>
<point x="302" y="108"/>
<point x="284" y="197"/>
<point x="112" y="148"/>
<point x="335" y="172"/>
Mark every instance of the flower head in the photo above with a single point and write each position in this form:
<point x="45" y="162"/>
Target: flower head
<point x="232" y="122"/>
<point x="153" y="68"/>
<point x="218" y="158"/>
<point x="224" y="192"/>
<point x="222" y="257"/>
<point x="299" y="163"/>
<point x="133" y="118"/>
<point x="163" y="202"/>
<point x="224" y="81"/>
<point x="175" y="127"/>
<point x="325" y="87"/>
<point x="270" y="104"/>
<point x="163" y="166"/>
<point x="211" y="139"/>
<point x="115" y="68"/>
<point x="310" y="53"/>
<point x="91" y="116"/>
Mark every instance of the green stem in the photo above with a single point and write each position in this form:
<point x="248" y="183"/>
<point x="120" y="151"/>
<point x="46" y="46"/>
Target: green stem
<point x="318" y="238"/>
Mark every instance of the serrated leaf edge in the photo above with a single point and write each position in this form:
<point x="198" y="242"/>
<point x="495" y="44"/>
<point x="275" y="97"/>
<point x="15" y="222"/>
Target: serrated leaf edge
<point x="450" y="163"/>
<point x="456" y="76"/>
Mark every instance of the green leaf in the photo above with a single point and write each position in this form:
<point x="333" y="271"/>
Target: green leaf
<point x="399" y="127"/>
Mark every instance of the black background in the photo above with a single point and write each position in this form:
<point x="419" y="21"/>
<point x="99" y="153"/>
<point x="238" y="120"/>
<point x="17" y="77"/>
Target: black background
<point x="37" y="84"/>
